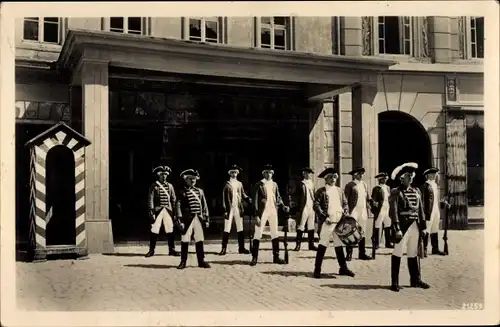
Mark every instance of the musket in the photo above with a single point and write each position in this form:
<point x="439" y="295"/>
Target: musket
<point x="445" y="236"/>
<point x="374" y="242"/>
<point x="288" y="216"/>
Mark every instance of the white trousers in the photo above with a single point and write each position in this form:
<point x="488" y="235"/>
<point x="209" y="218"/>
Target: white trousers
<point x="327" y="235"/>
<point x="307" y="217"/>
<point x="361" y="216"/>
<point x="410" y="241"/>
<point x="235" y="215"/>
<point x="383" y="218"/>
<point x="270" y="215"/>
<point x="195" y="229"/>
<point x="164" y="219"/>
<point x="434" y="221"/>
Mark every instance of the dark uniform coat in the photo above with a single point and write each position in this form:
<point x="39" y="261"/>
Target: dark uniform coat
<point x="351" y="192"/>
<point x="301" y="194"/>
<point x="378" y="198"/>
<point x="183" y="208"/>
<point x="321" y="202"/>
<point x="405" y="206"/>
<point x="260" y="197"/>
<point x="227" y="197"/>
<point x="157" y="199"/>
<point x="428" y="198"/>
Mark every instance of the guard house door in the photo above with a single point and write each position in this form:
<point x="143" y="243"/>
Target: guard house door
<point x="60" y="197"/>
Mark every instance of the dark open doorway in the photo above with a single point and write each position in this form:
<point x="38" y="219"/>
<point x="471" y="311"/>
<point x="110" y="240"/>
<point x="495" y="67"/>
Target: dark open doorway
<point x="403" y="139"/>
<point x="60" y="200"/>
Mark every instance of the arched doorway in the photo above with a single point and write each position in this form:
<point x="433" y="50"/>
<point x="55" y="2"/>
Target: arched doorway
<point x="403" y="139"/>
<point x="60" y="199"/>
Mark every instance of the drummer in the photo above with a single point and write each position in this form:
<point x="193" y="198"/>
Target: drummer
<point x="329" y="204"/>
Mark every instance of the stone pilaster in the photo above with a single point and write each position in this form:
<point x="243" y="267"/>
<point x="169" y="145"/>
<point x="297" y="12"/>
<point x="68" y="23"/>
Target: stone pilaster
<point x="440" y="39"/>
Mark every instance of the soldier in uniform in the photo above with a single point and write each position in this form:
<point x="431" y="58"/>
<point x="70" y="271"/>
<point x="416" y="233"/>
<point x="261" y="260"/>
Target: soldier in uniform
<point x="408" y="221"/>
<point x="305" y="210"/>
<point x="432" y="206"/>
<point x="380" y="209"/>
<point x="192" y="217"/>
<point x="161" y="201"/>
<point x="233" y="196"/>
<point x="329" y="204"/>
<point x="358" y="200"/>
<point x="266" y="200"/>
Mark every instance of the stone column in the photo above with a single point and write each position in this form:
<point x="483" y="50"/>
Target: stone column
<point x="440" y="39"/>
<point x="353" y="36"/>
<point x="365" y="131"/>
<point x="95" y="108"/>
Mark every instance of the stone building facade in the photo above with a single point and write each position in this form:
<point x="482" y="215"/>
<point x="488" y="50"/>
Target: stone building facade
<point x="318" y="91"/>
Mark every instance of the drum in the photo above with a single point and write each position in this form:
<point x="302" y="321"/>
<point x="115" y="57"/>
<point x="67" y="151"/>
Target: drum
<point x="349" y="231"/>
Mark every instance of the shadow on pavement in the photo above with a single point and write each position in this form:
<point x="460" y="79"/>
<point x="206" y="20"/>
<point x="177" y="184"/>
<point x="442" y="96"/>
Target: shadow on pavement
<point x="298" y="274"/>
<point x="238" y="262"/>
<point x="151" y="266"/>
<point x="131" y="254"/>
<point x="357" y="287"/>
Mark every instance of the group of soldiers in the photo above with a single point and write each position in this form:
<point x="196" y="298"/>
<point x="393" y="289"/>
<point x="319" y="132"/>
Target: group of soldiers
<point x="405" y="213"/>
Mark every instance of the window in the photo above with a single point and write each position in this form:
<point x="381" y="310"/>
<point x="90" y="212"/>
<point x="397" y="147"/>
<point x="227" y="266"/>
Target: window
<point x="475" y="158"/>
<point x="395" y="35"/>
<point x="274" y="33"/>
<point x="476" y="37"/>
<point x="205" y="29"/>
<point x="130" y="25"/>
<point x="42" y="29"/>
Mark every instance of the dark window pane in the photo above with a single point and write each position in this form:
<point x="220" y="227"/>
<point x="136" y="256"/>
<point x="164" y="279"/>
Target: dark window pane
<point x="280" y="21"/>
<point x="407" y="47"/>
<point x="51" y="19"/>
<point x="194" y="29"/>
<point x="51" y="32"/>
<point x="407" y="32"/>
<point x="480" y="37"/>
<point x="381" y="19"/>
<point x="30" y="30"/>
<point x="134" y="24"/>
<point x="116" y="24"/>
<point x="44" y="110"/>
<point x="265" y="20"/>
<point x="392" y="37"/>
<point x="265" y="36"/>
<point x="211" y="31"/>
<point x="279" y="39"/>
<point x="473" y="36"/>
<point x="473" y="22"/>
<point x="381" y="31"/>
<point x="381" y="46"/>
<point x="474" y="54"/>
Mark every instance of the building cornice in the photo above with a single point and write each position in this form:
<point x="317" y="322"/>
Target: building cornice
<point x="438" y="68"/>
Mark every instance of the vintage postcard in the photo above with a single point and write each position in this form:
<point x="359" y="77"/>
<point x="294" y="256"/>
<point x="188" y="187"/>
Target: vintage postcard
<point x="249" y="163"/>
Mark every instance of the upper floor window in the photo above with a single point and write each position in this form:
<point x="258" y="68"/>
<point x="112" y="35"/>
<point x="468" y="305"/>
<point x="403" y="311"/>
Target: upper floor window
<point x="274" y="33"/>
<point x="42" y="29"/>
<point x="205" y="29"/>
<point x="476" y="37"/>
<point x="130" y="25"/>
<point x="395" y="35"/>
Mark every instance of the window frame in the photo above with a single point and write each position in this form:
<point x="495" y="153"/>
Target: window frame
<point x="41" y="27"/>
<point x="145" y="25"/>
<point x="413" y="23"/>
<point x="467" y="37"/>
<point x="288" y="28"/>
<point x="221" y="29"/>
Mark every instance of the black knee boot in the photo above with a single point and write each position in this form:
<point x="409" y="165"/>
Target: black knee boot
<point x="184" y="255"/>
<point x="348" y="250"/>
<point x="171" y="245"/>
<point x="320" y="254"/>
<point x="362" y="250"/>
<point x="241" y="243"/>
<point x="200" y="254"/>
<point x="376" y="239"/>
<point x="225" y="240"/>
<point x="276" y="252"/>
<point x="343" y="270"/>
<point x="435" y="244"/>
<point x="388" y="238"/>
<point x="310" y="236"/>
<point x="415" y="280"/>
<point x="152" y="245"/>
<point x="255" y="252"/>
<point x="395" y="263"/>
<point x="298" y="240"/>
<point x="426" y="243"/>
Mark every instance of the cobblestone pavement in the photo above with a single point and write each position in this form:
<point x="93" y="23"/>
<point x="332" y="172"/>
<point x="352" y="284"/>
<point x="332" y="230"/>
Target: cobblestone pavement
<point x="127" y="281"/>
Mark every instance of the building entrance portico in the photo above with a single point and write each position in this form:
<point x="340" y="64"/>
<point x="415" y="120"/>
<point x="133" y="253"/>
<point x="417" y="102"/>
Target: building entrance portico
<point x="294" y="85"/>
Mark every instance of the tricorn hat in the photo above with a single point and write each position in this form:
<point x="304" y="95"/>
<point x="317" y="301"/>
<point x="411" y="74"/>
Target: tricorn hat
<point x="235" y="167"/>
<point x="357" y="170"/>
<point x="268" y="168"/>
<point x="190" y="173"/>
<point x="382" y="175"/>
<point x="162" y="169"/>
<point x="327" y="171"/>
<point x="409" y="167"/>
<point x="431" y="171"/>
<point x="307" y="169"/>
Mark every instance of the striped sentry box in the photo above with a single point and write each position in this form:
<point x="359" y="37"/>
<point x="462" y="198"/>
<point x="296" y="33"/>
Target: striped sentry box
<point x="59" y="135"/>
